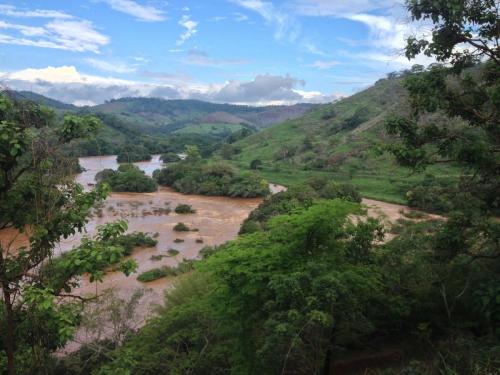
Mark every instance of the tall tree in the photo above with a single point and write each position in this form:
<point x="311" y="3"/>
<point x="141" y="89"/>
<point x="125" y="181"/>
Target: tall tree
<point x="40" y="204"/>
<point x="465" y="87"/>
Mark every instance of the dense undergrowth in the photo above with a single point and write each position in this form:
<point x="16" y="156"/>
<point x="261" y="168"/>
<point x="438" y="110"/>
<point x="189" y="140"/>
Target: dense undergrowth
<point x="128" y="178"/>
<point x="194" y="176"/>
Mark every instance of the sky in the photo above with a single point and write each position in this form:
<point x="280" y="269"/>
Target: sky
<point x="254" y="52"/>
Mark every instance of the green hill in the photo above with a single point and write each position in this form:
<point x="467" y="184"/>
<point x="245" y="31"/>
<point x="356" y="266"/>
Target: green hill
<point x="155" y="115"/>
<point x="342" y="140"/>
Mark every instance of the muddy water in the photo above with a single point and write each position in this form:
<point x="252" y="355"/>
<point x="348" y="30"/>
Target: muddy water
<point x="217" y="220"/>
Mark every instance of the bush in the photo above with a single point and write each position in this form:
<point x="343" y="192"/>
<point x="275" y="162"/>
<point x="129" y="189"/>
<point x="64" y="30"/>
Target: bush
<point x="132" y="154"/>
<point x="135" y="239"/>
<point x="170" y="157"/>
<point x="172" y="252"/>
<point x="128" y="178"/>
<point x="181" y="227"/>
<point x="432" y="195"/>
<point x="154" y="274"/>
<point x="184" y="209"/>
<point x="158" y="273"/>
<point x="255" y="164"/>
<point x="212" y="179"/>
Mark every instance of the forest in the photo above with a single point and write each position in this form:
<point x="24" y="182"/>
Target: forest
<point x="313" y="282"/>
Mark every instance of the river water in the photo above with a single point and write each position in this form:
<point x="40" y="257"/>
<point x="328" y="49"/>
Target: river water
<point x="217" y="220"/>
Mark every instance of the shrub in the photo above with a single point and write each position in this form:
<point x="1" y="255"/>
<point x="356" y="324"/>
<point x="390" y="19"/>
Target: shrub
<point x="184" y="209"/>
<point x="135" y="239"/>
<point x="170" y="157"/>
<point x="158" y="273"/>
<point x="128" y="178"/>
<point x="255" y="164"/>
<point x="172" y="252"/>
<point x="178" y="240"/>
<point x="211" y="179"/>
<point x="181" y="227"/>
<point x="154" y="274"/>
<point x="132" y="154"/>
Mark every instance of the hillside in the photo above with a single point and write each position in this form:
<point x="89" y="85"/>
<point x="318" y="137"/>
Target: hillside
<point x="155" y="115"/>
<point x="43" y="100"/>
<point x="342" y="140"/>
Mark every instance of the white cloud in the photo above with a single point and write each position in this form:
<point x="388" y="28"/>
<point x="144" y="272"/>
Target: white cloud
<point x="111" y="66"/>
<point x="12" y="11"/>
<point x="312" y="48"/>
<point x="339" y="8"/>
<point x="324" y="64"/>
<point x="71" y="35"/>
<point x="201" y="58"/>
<point x="77" y="35"/>
<point x="67" y="84"/>
<point x="24" y="29"/>
<point x="144" y="13"/>
<point x="240" y="17"/>
<point x="190" y="27"/>
<point x="284" y="23"/>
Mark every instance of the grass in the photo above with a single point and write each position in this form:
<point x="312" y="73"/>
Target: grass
<point x="165" y="271"/>
<point x="213" y="129"/>
<point x="321" y="145"/>
<point x="184" y="209"/>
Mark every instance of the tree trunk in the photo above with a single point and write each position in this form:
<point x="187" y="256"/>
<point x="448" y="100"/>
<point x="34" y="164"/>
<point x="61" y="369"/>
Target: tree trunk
<point x="327" y="365"/>
<point x="9" y="334"/>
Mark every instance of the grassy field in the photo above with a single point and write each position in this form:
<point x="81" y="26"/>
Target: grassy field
<point x="343" y="141"/>
<point x="214" y="129"/>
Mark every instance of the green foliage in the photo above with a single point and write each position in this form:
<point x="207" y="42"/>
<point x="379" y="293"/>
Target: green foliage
<point x="255" y="164"/>
<point x="165" y="271"/>
<point x="154" y="274"/>
<point x="136" y="239"/>
<point x="133" y="154"/>
<point x="191" y="176"/>
<point x="128" y="178"/>
<point x="184" y="209"/>
<point x="170" y="157"/>
<point x="181" y="227"/>
<point x="297" y="197"/>
<point x="267" y="302"/>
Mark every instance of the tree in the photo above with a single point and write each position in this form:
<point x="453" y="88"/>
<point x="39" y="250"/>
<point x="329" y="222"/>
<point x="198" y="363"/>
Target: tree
<point x="472" y="23"/>
<point x="465" y="36"/>
<point x="256" y="164"/>
<point x="42" y="205"/>
<point x="193" y="154"/>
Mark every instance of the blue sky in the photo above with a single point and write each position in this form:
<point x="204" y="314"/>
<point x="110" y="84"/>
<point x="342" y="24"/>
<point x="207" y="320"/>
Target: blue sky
<point x="238" y="51"/>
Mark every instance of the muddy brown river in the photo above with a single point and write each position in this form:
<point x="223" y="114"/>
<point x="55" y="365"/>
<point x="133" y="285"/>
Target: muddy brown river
<point x="217" y="220"/>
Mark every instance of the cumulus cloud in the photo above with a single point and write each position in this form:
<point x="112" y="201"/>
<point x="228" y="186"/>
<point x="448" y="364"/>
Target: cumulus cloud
<point x="264" y="88"/>
<point x="144" y="13"/>
<point x="187" y="23"/>
<point x="67" y="84"/>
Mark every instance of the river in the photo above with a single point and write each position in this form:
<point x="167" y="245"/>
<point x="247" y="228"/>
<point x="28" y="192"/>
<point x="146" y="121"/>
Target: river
<point x="217" y="220"/>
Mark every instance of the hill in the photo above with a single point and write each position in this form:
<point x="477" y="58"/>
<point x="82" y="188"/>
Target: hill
<point x="156" y="115"/>
<point x="43" y="100"/>
<point x="161" y="125"/>
<point x="342" y="140"/>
